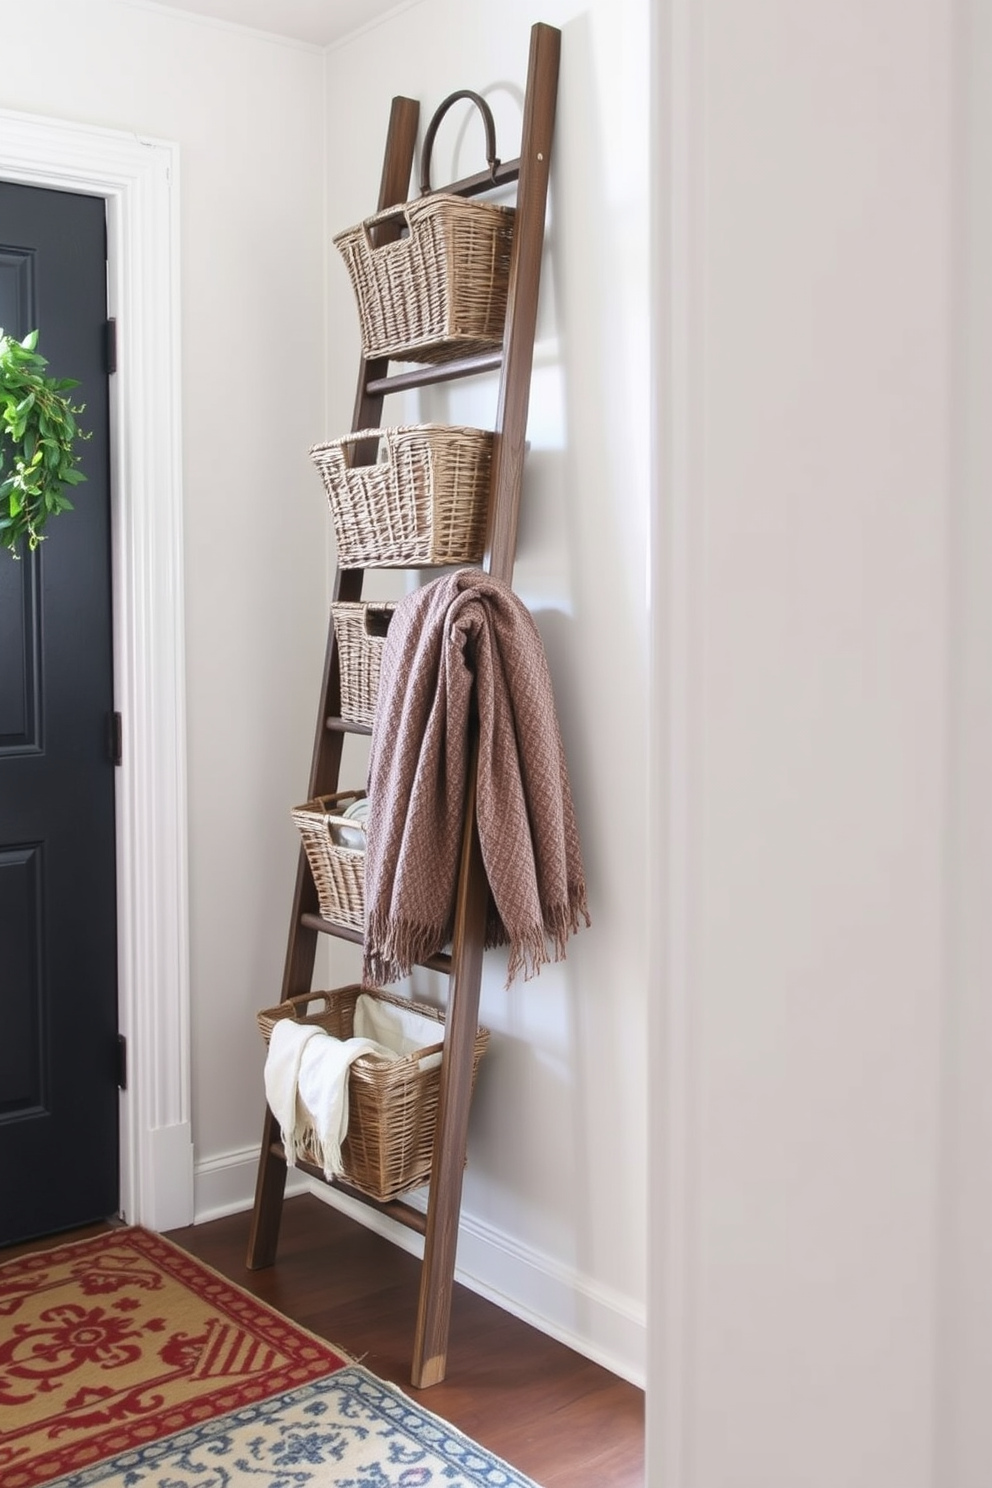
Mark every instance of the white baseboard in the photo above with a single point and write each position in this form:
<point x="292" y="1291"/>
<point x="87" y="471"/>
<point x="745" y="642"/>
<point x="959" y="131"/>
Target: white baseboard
<point x="226" y="1184"/>
<point x="599" y="1323"/>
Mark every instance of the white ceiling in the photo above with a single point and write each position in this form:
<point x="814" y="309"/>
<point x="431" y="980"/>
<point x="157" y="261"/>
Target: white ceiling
<point x="317" y="21"/>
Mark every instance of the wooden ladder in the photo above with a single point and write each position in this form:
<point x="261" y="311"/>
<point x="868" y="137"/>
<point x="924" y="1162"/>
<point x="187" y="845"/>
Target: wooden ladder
<point x="464" y="965"/>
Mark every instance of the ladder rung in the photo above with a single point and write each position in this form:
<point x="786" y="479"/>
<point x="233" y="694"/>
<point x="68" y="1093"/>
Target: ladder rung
<point x="506" y="173"/>
<point x="395" y="1208"/>
<point x="470" y="366"/>
<point x="345" y="726"/>
<point x="440" y="962"/>
<point x="328" y="927"/>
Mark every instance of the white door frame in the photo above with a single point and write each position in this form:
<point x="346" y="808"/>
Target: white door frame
<point x="139" y="179"/>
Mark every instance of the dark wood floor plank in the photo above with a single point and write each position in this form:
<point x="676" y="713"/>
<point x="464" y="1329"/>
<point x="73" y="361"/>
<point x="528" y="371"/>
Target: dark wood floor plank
<point x="550" y="1412"/>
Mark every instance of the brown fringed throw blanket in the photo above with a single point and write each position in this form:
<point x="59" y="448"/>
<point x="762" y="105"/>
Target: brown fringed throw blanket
<point x="465" y="642"/>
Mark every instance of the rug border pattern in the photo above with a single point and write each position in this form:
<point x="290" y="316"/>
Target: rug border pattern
<point x="310" y="1356"/>
<point x="476" y="1466"/>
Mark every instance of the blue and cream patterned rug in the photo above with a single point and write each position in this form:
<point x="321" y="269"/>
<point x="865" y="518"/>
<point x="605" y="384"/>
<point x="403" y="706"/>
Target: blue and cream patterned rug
<point x="349" y="1430"/>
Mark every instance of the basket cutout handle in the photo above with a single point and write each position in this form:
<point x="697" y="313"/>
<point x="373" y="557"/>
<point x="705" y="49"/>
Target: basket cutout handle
<point x="303" y="1005"/>
<point x="386" y="229"/>
<point x="361" y="449"/>
<point x="487" y="118"/>
<point x="377" y="618"/>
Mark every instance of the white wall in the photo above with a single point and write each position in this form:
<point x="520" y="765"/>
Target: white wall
<point x="252" y="292"/>
<point x="808" y="396"/>
<point x="554" y="1198"/>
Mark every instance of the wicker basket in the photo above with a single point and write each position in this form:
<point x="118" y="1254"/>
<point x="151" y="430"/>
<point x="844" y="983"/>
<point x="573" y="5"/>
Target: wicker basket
<point x="360" y="634"/>
<point x="431" y="277"/>
<point x="424" y="501"/>
<point x="392" y="1104"/>
<point x="338" y="869"/>
<point x="439" y="291"/>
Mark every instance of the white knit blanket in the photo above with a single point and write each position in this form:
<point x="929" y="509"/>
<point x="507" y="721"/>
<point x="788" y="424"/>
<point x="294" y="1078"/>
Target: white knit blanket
<point x="306" y="1084"/>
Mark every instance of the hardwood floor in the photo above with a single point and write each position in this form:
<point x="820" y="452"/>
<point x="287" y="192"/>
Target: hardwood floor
<point x="550" y="1412"/>
<point x="562" y="1420"/>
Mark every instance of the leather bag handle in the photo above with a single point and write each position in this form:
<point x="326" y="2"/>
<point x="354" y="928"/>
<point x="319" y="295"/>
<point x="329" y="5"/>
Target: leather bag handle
<point x="439" y="113"/>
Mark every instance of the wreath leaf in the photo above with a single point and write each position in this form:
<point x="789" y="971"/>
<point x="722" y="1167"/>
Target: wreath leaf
<point x="38" y="438"/>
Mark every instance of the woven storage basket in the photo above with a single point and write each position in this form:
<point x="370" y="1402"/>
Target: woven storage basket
<point x="338" y="870"/>
<point x="392" y="1104"/>
<point x="439" y="291"/>
<point x="431" y="277"/>
<point x="425" y="501"/>
<point x="360" y="633"/>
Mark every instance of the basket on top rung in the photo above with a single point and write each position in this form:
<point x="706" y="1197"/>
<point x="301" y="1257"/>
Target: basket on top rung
<point x="439" y="290"/>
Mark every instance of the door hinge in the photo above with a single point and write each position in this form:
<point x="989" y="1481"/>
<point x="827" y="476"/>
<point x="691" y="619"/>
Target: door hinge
<point x="115" y="738"/>
<point x="121" y="1062"/>
<point x="111" y="346"/>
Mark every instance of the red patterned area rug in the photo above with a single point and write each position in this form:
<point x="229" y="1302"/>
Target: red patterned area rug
<point x="115" y="1342"/>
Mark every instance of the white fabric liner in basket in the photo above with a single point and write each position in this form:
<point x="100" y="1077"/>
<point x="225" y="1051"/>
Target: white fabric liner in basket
<point x="403" y="1030"/>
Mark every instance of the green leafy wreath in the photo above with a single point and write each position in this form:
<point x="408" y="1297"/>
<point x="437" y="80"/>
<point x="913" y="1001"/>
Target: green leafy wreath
<point x="38" y="436"/>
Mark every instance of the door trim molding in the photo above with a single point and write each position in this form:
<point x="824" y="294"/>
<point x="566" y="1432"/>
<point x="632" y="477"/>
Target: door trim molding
<point x="138" y="177"/>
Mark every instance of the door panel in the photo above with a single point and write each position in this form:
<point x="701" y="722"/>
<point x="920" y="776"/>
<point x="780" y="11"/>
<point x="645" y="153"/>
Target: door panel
<point x="58" y="973"/>
<point x="16" y="287"/>
<point x="20" y="724"/>
<point x="21" y="1071"/>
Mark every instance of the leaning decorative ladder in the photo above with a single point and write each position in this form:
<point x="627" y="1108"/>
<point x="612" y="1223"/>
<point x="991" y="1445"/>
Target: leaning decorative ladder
<point x="464" y="964"/>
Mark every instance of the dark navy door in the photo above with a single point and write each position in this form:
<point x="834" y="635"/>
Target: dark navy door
<point x="58" y="965"/>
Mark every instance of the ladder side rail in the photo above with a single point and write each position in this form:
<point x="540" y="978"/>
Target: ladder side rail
<point x="522" y="301"/>
<point x="301" y="949"/>
<point x="451" y="1134"/>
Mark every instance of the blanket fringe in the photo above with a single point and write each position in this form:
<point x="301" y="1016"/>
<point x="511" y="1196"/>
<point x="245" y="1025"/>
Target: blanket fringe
<point x="331" y="1159"/>
<point x="529" y="951"/>
<point x="393" y="948"/>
